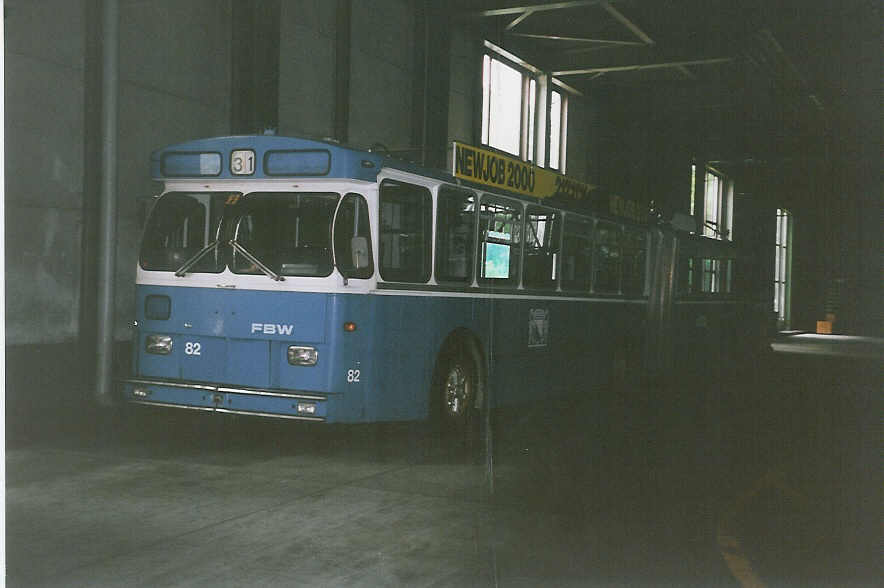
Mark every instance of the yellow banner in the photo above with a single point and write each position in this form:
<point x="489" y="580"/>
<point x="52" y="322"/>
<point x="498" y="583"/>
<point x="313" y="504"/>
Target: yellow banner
<point x="492" y="169"/>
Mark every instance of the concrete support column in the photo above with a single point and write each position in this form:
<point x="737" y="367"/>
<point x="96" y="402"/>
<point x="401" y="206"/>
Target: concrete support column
<point x="255" y="66"/>
<point x="108" y="203"/>
<point x="342" y="70"/>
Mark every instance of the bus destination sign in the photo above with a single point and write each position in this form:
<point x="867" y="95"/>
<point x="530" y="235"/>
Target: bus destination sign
<point x="494" y="169"/>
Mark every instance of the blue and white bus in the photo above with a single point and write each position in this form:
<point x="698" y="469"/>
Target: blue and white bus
<point x="302" y="279"/>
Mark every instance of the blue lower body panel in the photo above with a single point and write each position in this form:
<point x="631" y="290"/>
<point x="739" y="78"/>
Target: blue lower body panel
<point x="251" y="401"/>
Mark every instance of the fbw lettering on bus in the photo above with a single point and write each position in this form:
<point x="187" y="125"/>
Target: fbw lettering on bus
<point x="272" y="329"/>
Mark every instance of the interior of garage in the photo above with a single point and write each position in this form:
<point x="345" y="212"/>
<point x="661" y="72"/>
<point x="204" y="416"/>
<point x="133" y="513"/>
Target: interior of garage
<point x="781" y="98"/>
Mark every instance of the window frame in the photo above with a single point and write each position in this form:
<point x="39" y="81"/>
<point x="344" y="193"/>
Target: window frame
<point x="561" y="144"/>
<point x="527" y="127"/>
<point x="587" y="222"/>
<point x="721" y="197"/>
<point x="782" y="283"/>
<point x="427" y="197"/>
<point x="555" y="245"/>
<point x="595" y="257"/>
<point x="365" y="273"/>
<point x="510" y="281"/>
<point x="444" y="192"/>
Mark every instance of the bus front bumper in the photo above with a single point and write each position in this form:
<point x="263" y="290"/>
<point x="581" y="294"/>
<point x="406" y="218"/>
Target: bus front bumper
<point x="288" y="404"/>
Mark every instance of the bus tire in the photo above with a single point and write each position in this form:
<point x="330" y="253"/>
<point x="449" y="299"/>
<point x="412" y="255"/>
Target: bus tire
<point x="454" y="396"/>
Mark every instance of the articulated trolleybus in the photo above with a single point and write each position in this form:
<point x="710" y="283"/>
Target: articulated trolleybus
<point x="301" y="279"/>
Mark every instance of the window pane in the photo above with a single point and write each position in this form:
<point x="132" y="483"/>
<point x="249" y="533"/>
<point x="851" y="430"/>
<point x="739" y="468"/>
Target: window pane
<point x="729" y="277"/>
<point x="606" y="263"/>
<point x="289" y="233"/>
<point x="555" y="129"/>
<point x="710" y="205"/>
<point x="178" y="229"/>
<point x="711" y="276"/>
<point x="352" y="221"/>
<point x="486" y="96"/>
<point x="532" y="113"/>
<point x="504" y="93"/>
<point x="406" y="213"/>
<point x="634" y="247"/>
<point x="455" y="235"/>
<point x="541" y="247"/>
<point x="500" y="230"/>
<point x="686" y="275"/>
<point x="577" y="254"/>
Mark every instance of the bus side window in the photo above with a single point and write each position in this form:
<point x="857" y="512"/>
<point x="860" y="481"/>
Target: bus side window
<point x="607" y="258"/>
<point x="455" y="235"/>
<point x="541" y="247"/>
<point x="711" y="270"/>
<point x="577" y="254"/>
<point x="685" y="275"/>
<point x="406" y="230"/>
<point x="729" y="277"/>
<point x="500" y="228"/>
<point x="634" y="261"/>
<point x="352" y="221"/>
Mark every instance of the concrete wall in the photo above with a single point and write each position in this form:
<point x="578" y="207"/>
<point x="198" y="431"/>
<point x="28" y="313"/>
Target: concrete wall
<point x="307" y="68"/>
<point x="44" y="96"/>
<point x="174" y="85"/>
<point x="582" y="140"/>
<point x="382" y="73"/>
<point x="463" y="88"/>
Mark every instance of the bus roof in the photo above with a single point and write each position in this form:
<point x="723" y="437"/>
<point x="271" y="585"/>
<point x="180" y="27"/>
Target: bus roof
<point x="263" y="156"/>
<point x="278" y="157"/>
<point x="282" y="157"/>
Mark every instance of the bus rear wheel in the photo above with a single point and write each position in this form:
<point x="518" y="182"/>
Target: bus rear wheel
<point x="454" y="396"/>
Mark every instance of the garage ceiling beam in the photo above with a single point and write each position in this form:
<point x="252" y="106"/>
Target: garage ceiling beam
<point x="639" y="67"/>
<point x="628" y="23"/>
<point x="638" y="32"/>
<point x="577" y="39"/>
<point x="519" y="19"/>
<point x="535" y="8"/>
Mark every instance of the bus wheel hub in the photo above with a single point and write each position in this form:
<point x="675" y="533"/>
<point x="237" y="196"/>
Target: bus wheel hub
<point x="456" y="391"/>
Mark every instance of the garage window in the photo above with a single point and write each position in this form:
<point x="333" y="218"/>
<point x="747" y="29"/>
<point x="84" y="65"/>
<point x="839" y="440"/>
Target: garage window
<point x="718" y="206"/>
<point x="522" y="114"/>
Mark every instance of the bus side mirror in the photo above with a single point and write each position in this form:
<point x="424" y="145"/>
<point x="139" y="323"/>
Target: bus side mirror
<point x="359" y="251"/>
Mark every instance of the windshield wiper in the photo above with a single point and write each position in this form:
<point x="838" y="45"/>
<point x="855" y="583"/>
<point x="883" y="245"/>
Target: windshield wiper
<point x="192" y="261"/>
<point x="245" y="252"/>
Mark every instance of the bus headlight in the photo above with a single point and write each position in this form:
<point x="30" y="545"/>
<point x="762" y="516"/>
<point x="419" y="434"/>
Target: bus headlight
<point x="300" y="355"/>
<point x="307" y="408"/>
<point x="158" y="344"/>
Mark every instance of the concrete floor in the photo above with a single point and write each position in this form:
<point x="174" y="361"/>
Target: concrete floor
<point x="768" y="475"/>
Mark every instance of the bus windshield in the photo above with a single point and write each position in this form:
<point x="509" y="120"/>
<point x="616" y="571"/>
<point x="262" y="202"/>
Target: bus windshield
<point x="287" y="233"/>
<point x="181" y="225"/>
